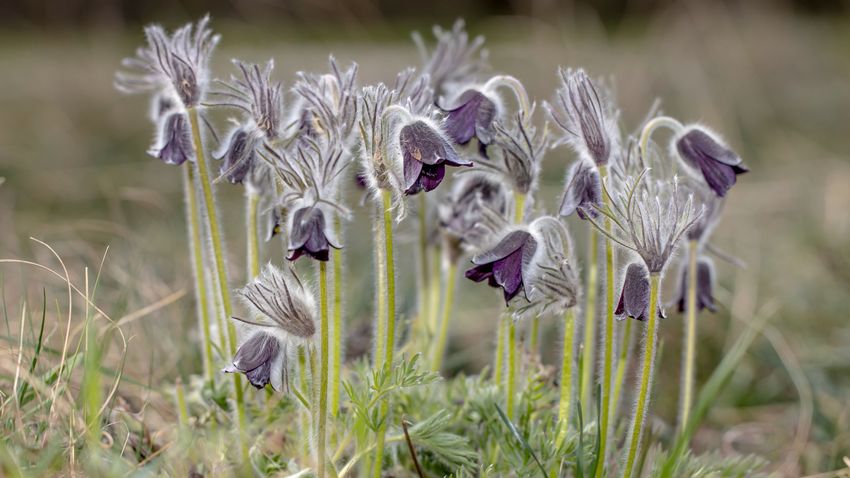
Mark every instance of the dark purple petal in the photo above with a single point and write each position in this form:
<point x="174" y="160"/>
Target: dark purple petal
<point x="472" y="117"/>
<point x="509" y="244"/>
<point x="254" y="358"/>
<point x="422" y="147"/>
<point x="479" y="273"/>
<point x="431" y="176"/>
<point x="583" y="192"/>
<point x="176" y="141"/>
<point x="507" y="273"/>
<point x="238" y="157"/>
<point x="718" y="164"/>
<point x="412" y="169"/>
<point x="308" y="235"/>
<point x="634" y="299"/>
<point x="705" y="287"/>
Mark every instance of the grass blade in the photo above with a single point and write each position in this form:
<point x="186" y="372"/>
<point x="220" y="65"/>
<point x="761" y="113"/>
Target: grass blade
<point x="521" y="440"/>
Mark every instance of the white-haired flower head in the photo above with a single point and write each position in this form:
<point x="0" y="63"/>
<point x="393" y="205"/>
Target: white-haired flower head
<point x="705" y="155"/>
<point x="586" y="116"/>
<point x="326" y="105"/>
<point x="454" y="61"/>
<point x="465" y="214"/>
<point x="582" y="190"/>
<point x="178" y="63"/>
<point x="286" y="316"/>
<point x="552" y="276"/>
<point x="648" y="216"/>
<point x="518" y="149"/>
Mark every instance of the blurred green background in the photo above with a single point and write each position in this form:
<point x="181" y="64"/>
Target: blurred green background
<point x="772" y="77"/>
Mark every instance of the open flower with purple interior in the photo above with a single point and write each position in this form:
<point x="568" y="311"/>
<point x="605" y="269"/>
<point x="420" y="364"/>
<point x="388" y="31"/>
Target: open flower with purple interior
<point x="582" y="191"/>
<point x="704" y="286"/>
<point x="425" y="155"/>
<point x="507" y="264"/>
<point x="285" y="313"/>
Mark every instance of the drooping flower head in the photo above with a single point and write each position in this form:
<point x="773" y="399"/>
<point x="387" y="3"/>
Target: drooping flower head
<point x="586" y="116"/>
<point x="173" y="143"/>
<point x="477" y="205"/>
<point x="259" y="99"/>
<point x="286" y="316"/>
<point x="704" y="286"/>
<point x="309" y="234"/>
<point x="705" y="155"/>
<point x="634" y="298"/>
<point x="425" y="155"/>
<point x="178" y="63"/>
<point x="507" y="264"/>
<point x="582" y="190"/>
<point x="471" y="115"/>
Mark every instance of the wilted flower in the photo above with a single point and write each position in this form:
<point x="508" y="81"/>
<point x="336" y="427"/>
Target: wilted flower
<point x="705" y="286"/>
<point x="634" y="299"/>
<point x="585" y="116"/>
<point x="707" y="155"/>
<point x="179" y="63"/>
<point x="425" y="155"/>
<point x="173" y="144"/>
<point x="326" y="104"/>
<point x="287" y="315"/>
<point x="583" y="191"/>
<point x="519" y="150"/>
<point x="507" y="264"/>
<point x="309" y="234"/>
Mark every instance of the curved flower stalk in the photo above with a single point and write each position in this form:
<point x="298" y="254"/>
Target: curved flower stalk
<point x="586" y="117"/>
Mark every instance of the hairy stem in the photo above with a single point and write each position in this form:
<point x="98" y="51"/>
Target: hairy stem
<point x="534" y="335"/>
<point x="336" y="340"/>
<point x="608" y="350"/>
<point x="565" y="401"/>
<point x="645" y="378"/>
<point x="424" y="316"/>
<point x="323" y="368"/>
<point x="589" y="350"/>
<point x="443" y="332"/>
<point x="197" y="248"/>
<point x="687" y="391"/>
<point x="620" y="373"/>
<point x="380" y="318"/>
<point x="500" y="354"/>
<point x="390" y="330"/>
<point x="220" y="270"/>
<point x="253" y="234"/>
<point x="512" y="365"/>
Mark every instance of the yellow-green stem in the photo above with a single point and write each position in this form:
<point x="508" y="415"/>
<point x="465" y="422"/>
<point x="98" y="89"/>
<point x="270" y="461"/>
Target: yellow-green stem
<point x="565" y="402"/>
<point x="645" y="378"/>
<point x="500" y="354"/>
<point x="589" y="350"/>
<point x="183" y="411"/>
<point x="323" y="372"/>
<point x="424" y="269"/>
<point x="608" y="351"/>
<point x="690" y="337"/>
<point x="442" y="334"/>
<point x="390" y="329"/>
<point x="511" y="376"/>
<point x="533" y="335"/>
<point x="620" y="373"/>
<point x="197" y="246"/>
<point x="337" y="326"/>
<point x="380" y="320"/>
<point x="253" y="235"/>
<point x="220" y="270"/>
<point x="434" y="289"/>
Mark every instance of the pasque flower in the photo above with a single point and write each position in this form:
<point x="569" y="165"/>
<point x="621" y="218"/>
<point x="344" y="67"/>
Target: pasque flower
<point x="507" y="264"/>
<point x="173" y="144"/>
<point x="286" y="315"/>
<point x="425" y="153"/>
<point x="471" y="116"/>
<point x="585" y="116"/>
<point x="583" y="191"/>
<point x="708" y="156"/>
<point x="705" y="286"/>
<point x="634" y="298"/>
<point x="309" y="234"/>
